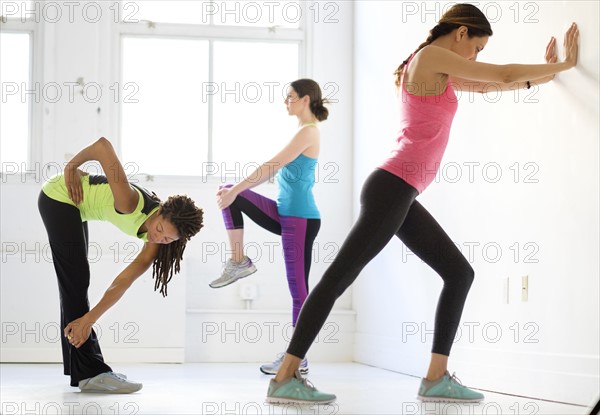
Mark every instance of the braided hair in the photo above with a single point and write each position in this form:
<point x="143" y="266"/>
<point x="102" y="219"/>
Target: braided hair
<point x="458" y="15"/>
<point x="187" y="219"/>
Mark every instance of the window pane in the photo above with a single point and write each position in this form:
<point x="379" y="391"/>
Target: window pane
<point x="164" y="118"/>
<point x="14" y="106"/>
<point x="190" y="12"/>
<point x="234" y="13"/>
<point x="257" y="13"/>
<point x="250" y="121"/>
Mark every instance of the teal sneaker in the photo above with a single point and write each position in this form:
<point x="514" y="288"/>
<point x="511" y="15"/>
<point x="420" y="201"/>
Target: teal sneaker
<point x="296" y="390"/>
<point x="447" y="389"/>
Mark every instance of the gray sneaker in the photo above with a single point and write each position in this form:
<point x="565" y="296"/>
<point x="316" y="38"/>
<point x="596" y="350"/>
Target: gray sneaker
<point x="272" y="368"/>
<point x="233" y="271"/>
<point x="109" y="382"/>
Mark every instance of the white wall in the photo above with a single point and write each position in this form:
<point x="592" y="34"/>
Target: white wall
<point x="548" y="346"/>
<point x="143" y="326"/>
<point x="546" y="343"/>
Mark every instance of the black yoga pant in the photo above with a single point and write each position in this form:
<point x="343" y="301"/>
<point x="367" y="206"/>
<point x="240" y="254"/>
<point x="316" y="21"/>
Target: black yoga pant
<point x="68" y="237"/>
<point x="388" y="208"/>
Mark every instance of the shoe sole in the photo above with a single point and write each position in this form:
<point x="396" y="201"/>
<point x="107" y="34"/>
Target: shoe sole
<point x="447" y="400"/>
<point x="275" y="400"/>
<point x="303" y="371"/>
<point x="251" y="271"/>
<point x="115" y="391"/>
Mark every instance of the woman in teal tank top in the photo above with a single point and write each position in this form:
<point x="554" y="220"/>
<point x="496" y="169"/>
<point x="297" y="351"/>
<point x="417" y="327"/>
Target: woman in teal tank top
<point x="294" y="215"/>
<point x="66" y="203"/>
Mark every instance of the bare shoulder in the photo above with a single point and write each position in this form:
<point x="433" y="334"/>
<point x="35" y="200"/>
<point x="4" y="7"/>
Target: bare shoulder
<point x="310" y="133"/>
<point x="425" y="68"/>
<point x="428" y="53"/>
<point x="431" y="56"/>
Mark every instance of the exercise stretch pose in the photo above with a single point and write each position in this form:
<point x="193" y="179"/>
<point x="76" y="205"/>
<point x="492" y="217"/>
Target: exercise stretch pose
<point x="426" y="81"/>
<point x="66" y="203"/>
<point x="294" y="215"/>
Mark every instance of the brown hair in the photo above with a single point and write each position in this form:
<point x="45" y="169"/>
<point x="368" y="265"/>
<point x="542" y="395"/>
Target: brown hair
<point x="458" y="15"/>
<point x="309" y="87"/>
<point x="187" y="219"/>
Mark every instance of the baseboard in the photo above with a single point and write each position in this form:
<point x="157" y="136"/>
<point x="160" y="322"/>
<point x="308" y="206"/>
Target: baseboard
<point x="567" y="378"/>
<point x="111" y="355"/>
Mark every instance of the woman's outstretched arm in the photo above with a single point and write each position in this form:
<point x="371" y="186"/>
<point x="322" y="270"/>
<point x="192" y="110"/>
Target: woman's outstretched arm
<point x="79" y="330"/>
<point x="483" y="87"/>
<point x="456" y="67"/>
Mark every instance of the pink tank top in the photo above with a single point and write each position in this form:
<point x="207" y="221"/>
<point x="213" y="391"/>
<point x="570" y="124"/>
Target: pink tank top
<point x="425" y="123"/>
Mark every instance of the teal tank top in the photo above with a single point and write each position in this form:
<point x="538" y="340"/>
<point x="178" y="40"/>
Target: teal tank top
<point x="99" y="204"/>
<point x="296" y="181"/>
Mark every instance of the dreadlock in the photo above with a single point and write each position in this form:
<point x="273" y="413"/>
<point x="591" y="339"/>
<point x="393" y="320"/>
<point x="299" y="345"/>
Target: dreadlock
<point x="187" y="219"/>
<point x="458" y="15"/>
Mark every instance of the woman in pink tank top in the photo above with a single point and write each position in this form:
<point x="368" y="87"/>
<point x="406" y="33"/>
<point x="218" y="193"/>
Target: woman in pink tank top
<point x="427" y="79"/>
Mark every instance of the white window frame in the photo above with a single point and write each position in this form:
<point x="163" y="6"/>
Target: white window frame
<point x="144" y="28"/>
<point x="34" y="139"/>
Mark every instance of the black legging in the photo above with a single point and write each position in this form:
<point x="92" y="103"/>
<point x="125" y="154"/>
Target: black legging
<point x="68" y="237"/>
<point x="388" y="208"/>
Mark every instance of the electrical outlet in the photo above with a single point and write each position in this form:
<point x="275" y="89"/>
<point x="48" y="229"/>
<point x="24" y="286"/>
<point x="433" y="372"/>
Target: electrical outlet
<point x="248" y="291"/>
<point x="525" y="288"/>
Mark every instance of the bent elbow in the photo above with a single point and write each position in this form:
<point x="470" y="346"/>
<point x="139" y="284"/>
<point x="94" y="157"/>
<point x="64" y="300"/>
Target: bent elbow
<point x="104" y="150"/>
<point x="104" y="142"/>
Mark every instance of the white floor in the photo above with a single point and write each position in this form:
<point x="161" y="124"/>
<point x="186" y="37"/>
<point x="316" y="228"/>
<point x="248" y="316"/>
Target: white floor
<point x="239" y="389"/>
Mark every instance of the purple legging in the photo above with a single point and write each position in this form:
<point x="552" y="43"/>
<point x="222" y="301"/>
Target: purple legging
<point x="297" y="237"/>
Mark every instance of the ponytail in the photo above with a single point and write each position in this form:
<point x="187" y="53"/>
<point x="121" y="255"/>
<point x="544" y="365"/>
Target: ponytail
<point x="319" y="110"/>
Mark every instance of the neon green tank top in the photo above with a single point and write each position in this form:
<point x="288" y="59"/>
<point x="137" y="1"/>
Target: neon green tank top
<point x="99" y="203"/>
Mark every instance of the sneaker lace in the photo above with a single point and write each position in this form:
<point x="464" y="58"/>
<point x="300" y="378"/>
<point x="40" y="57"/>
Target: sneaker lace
<point x="119" y="377"/>
<point x="308" y="384"/>
<point x="230" y="264"/>
<point x="455" y="379"/>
